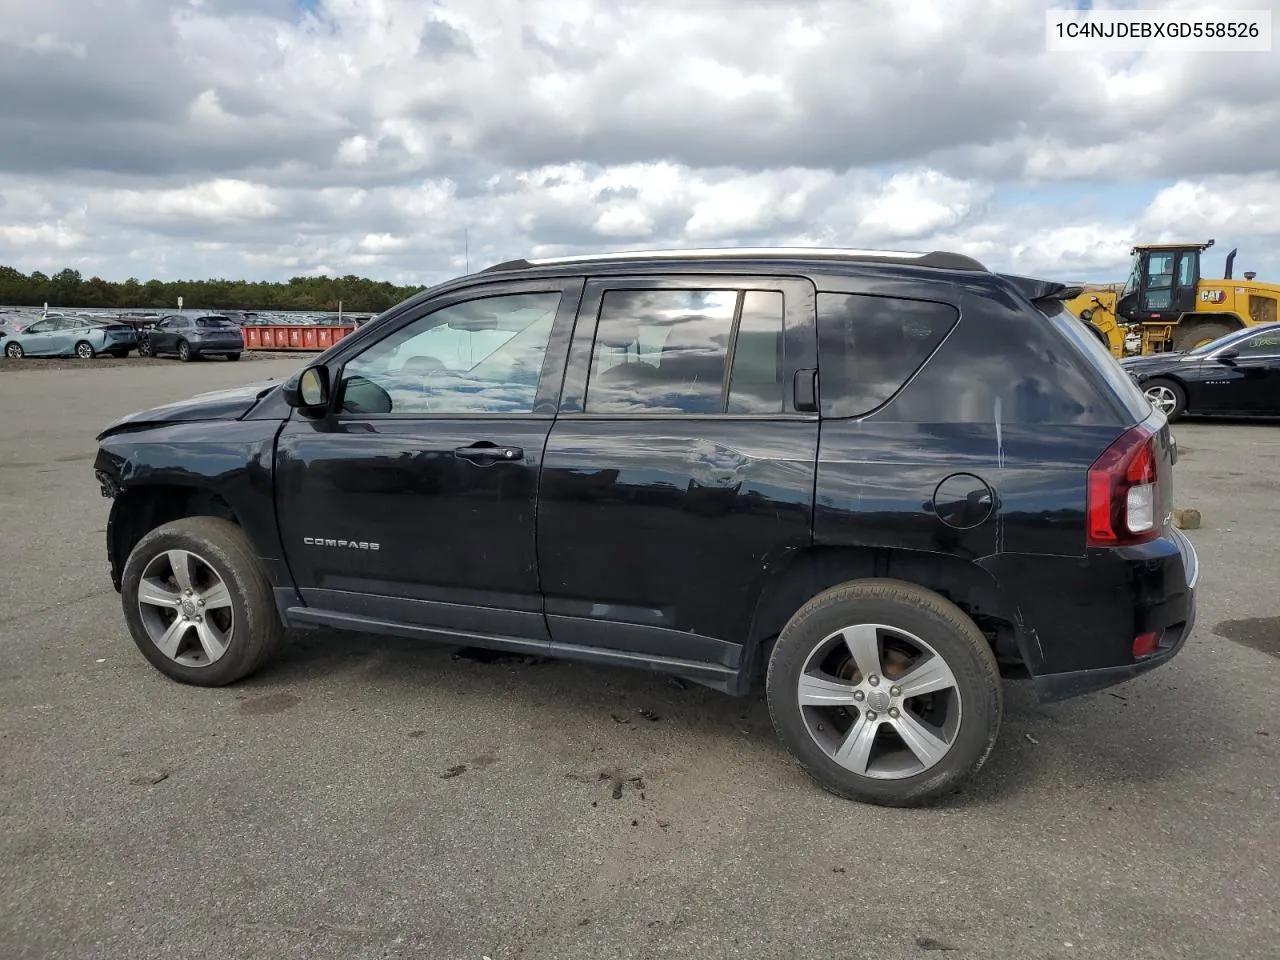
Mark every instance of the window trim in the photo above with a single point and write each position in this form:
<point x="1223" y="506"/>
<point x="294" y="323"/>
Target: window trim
<point x="550" y="377"/>
<point x="798" y="338"/>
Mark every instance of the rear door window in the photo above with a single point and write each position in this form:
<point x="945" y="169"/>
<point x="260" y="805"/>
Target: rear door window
<point x="870" y="346"/>
<point x="688" y="351"/>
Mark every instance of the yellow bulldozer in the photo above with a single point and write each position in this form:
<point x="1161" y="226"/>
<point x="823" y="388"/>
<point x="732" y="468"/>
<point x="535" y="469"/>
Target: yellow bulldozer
<point x="1167" y="305"/>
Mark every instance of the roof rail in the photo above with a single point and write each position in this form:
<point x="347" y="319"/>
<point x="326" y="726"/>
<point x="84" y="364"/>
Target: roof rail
<point x="934" y="258"/>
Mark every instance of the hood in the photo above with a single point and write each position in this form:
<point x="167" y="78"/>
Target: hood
<point x="230" y="404"/>
<point x="1155" y="363"/>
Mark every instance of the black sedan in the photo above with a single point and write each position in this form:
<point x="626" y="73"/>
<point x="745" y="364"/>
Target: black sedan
<point x="1237" y="375"/>
<point x="191" y="337"/>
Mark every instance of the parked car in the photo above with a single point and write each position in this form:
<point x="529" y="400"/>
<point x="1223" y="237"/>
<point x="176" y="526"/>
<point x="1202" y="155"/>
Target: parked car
<point x="70" y="336"/>
<point x="1237" y="375"/>
<point x="873" y="482"/>
<point x="189" y="338"/>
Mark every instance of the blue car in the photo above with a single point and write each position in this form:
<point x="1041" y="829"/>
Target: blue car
<point x="83" y="337"/>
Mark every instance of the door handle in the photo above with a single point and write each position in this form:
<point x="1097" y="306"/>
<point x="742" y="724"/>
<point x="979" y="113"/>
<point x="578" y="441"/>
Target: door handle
<point x="487" y="452"/>
<point x="805" y="390"/>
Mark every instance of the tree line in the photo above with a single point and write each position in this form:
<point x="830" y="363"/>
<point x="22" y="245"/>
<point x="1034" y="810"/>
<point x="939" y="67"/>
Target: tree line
<point x="67" y="288"/>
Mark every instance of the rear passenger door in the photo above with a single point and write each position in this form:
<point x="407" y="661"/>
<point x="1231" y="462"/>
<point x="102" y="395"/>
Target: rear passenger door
<point x="679" y="473"/>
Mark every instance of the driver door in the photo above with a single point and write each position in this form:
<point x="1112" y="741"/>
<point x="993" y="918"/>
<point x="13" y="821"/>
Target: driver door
<point x="37" y="338"/>
<point x="411" y="502"/>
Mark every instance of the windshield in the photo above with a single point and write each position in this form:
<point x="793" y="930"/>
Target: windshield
<point x="1230" y="338"/>
<point x="1135" y="275"/>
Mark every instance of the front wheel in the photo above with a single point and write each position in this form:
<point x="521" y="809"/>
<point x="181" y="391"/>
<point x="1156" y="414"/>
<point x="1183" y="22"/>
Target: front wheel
<point x="198" y="602"/>
<point x="13" y="351"/>
<point x="184" y="351"/>
<point x="145" y="349"/>
<point x="885" y="692"/>
<point x="1167" y="397"/>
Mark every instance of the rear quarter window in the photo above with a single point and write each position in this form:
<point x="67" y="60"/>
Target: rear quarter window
<point x="870" y="346"/>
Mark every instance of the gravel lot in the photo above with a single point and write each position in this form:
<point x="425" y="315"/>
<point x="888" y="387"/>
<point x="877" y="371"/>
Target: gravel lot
<point x="379" y="798"/>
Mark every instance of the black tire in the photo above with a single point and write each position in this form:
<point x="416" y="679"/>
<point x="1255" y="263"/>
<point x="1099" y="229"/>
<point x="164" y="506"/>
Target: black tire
<point x="14" y="351"/>
<point x="84" y="350"/>
<point x="943" y="626"/>
<point x="1197" y="332"/>
<point x="256" y="634"/>
<point x="1174" y="388"/>
<point x="233" y="356"/>
<point x="145" y="349"/>
<point x="184" y="352"/>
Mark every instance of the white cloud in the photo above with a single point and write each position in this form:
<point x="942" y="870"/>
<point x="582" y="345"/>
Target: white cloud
<point x="224" y="201"/>
<point x="244" y="137"/>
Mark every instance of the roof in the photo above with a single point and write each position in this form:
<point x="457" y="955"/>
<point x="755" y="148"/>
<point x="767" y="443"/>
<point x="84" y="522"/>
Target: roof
<point x="939" y="259"/>
<point x="1173" y="246"/>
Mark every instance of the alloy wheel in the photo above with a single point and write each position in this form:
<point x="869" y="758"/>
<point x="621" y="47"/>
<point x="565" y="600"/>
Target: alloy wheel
<point x="879" y="701"/>
<point x="1162" y="398"/>
<point x="186" y="608"/>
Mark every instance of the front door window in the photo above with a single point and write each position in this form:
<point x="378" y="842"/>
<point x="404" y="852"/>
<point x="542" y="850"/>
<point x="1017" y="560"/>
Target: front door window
<point x="480" y="356"/>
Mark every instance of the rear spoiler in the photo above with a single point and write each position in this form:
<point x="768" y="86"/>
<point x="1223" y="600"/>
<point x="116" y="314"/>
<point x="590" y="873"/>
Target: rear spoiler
<point x="1038" y="291"/>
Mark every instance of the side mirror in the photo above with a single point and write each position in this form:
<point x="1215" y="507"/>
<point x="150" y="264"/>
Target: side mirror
<point x="1228" y="356"/>
<point x="308" y="390"/>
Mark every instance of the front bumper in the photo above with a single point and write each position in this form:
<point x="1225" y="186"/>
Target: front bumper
<point x="1173" y="636"/>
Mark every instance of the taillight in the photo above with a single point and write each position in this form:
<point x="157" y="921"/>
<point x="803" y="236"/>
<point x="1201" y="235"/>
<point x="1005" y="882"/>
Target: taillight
<point x="1123" y="491"/>
<point x="1145" y="644"/>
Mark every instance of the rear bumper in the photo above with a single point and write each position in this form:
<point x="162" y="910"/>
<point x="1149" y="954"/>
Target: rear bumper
<point x="1169" y="612"/>
<point x="217" y="346"/>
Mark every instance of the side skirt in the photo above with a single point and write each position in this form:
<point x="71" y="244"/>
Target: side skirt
<point x="715" y="676"/>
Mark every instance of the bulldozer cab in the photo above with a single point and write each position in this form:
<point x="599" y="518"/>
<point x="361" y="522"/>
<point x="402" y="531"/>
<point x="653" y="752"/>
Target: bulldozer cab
<point x="1162" y="282"/>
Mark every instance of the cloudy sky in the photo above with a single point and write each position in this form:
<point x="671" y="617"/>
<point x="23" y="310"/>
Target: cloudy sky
<point x="271" y="138"/>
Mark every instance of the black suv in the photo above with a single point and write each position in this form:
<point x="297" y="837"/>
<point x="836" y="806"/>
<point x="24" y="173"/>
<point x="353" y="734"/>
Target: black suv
<point x="876" y="481"/>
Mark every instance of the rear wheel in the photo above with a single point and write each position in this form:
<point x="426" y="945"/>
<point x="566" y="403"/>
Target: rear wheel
<point x="13" y="351"/>
<point x="233" y="356"/>
<point x="198" y="602"/>
<point x="145" y="349"/>
<point x="1198" y="333"/>
<point x="84" y="350"/>
<point x="885" y="692"/>
<point x="1167" y="397"/>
